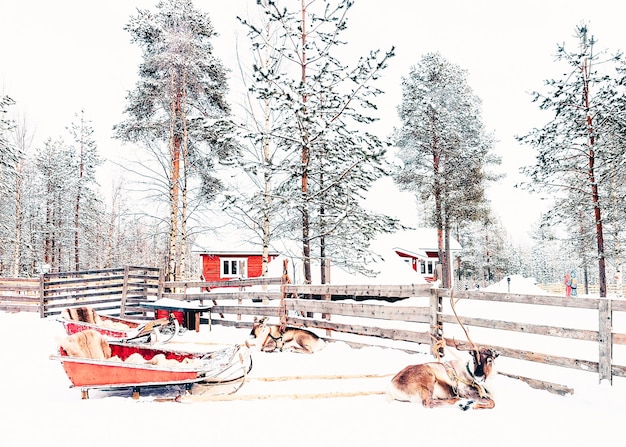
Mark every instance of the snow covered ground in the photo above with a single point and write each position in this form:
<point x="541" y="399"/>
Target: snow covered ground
<point x="39" y="408"/>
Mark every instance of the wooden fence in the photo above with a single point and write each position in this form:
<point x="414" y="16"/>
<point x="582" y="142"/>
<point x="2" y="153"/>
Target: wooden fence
<point x="20" y="294"/>
<point x="365" y="315"/>
<point x="428" y="317"/>
<point x="114" y="291"/>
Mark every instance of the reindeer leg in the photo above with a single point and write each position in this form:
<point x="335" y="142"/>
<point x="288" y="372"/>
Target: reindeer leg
<point x="426" y="395"/>
<point x="483" y="404"/>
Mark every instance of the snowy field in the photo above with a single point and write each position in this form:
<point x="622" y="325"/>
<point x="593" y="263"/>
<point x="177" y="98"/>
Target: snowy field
<point x="39" y="407"/>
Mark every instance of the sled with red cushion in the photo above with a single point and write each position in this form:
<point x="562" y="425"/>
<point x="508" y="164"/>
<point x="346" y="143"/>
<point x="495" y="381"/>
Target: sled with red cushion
<point x="92" y="362"/>
<point x="83" y="318"/>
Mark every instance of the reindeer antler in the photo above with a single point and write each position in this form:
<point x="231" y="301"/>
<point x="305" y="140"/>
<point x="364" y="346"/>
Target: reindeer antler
<point x="453" y="306"/>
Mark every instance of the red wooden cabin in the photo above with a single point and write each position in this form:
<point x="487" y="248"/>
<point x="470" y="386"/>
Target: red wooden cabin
<point x="226" y="265"/>
<point x="419" y="249"/>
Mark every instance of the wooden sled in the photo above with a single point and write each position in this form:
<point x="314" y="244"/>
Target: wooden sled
<point x="79" y="319"/>
<point x="92" y="362"/>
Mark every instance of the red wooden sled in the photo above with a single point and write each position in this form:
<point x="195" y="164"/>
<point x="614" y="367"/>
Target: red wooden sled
<point x="183" y="367"/>
<point x="162" y="329"/>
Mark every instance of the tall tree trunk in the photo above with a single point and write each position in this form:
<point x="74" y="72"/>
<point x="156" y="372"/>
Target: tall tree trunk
<point x="183" y="217"/>
<point x="267" y="198"/>
<point x="111" y="228"/>
<point x="322" y="222"/>
<point x="439" y="218"/>
<point x="78" y="198"/>
<point x="446" y="264"/>
<point x="595" y="197"/>
<point x="18" y="220"/>
<point x="306" y="153"/>
<point x="47" y="242"/>
<point x="175" y="147"/>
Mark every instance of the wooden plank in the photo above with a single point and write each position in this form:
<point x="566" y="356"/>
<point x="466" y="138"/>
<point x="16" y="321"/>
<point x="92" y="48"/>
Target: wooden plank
<point x="61" y="283"/>
<point x="20" y="298"/>
<point x="526" y="328"/>
<point x="547" y="300"/>
<point x="25" y="281"/>
<point x="397" y="291"/>
<point x="243" y="282"/>
<point x="257" y="311"/>
<point x="619" y="339"/>
<point x="618" y="305"/>
<point x="85" y="296"/>
<point x="583" y="365"/>
<point x="618" y="370"/>
<point x="551" y="387"/>
<point x="56" y="305"/>
<point x="17" y="307"/>
<point x="436" y="324"/>
<point x="235" y="295"/>
<point x="124" y="293"/>
<point x="139" y="271"/>
<point x="42" y="298"/>
<point x="403" y="313"/>
<point x="368" y="331"/>
<point x="605" y="316"/>
<point x="73" y="297"/>
<point x="20" y="287"/>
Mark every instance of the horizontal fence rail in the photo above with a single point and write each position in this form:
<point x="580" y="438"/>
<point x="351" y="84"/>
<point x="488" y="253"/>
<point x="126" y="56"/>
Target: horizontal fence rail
<point x="20" y="294"/>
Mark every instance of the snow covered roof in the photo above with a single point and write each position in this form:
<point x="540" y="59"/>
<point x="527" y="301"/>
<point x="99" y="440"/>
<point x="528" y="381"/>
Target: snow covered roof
<point x="233" y="242"/>
<point x="417" y="241"/>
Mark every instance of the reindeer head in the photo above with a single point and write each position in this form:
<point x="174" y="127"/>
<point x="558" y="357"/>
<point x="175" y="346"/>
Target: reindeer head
<point x="259" y="327"/>
<point x="483" y="359"/>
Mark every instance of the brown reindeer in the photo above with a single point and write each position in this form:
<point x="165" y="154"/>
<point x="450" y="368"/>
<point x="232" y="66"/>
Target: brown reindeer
<point x="274" y="337"/>
<point x="437" y="384"/>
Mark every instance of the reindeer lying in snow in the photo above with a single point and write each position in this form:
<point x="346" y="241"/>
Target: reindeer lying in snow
<point x="272" y="337"/>
<point x="437" y="384"/>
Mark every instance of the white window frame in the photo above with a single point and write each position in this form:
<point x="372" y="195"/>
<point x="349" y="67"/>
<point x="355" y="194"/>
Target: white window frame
<point x="240" y="264"/>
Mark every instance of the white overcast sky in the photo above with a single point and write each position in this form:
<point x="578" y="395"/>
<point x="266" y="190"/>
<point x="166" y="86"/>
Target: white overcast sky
<point x="58" y="57"/>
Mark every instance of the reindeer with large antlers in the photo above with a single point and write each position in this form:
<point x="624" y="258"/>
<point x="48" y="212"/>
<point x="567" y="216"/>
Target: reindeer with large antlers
<point x="436" y="384"/>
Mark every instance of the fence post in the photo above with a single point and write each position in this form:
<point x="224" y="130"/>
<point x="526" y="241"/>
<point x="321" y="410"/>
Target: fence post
<point x="282" y="308"/>
<point x="161" y="284"/>
<point x="124" y="293"/>
<point x="436" y="326"/>
<point x="42" y="299"/>
<point x="605" y="341"/>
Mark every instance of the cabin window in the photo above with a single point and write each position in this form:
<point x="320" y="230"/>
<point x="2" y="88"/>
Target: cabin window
<point x="427" y="267"/>
<point x="234" y="268"/>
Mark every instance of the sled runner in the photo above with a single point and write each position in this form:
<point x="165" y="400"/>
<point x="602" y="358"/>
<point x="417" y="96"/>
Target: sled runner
<point x="92" y="362"/>
<point x="83" y="318"/>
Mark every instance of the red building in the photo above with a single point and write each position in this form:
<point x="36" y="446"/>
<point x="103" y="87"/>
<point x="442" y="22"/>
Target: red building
<point x="423" y="262"/>
<point x="225" y="265"/>
<point x="423" y="254"/>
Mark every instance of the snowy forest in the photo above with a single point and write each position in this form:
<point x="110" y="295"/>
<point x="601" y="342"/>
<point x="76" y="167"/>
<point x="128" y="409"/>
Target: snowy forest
<point x="293" y="171"/>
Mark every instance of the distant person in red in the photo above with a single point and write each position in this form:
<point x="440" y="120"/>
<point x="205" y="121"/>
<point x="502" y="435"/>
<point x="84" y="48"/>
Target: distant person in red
<point x="574" y="283"/>
<point x="568" y="285"/>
